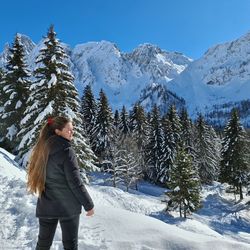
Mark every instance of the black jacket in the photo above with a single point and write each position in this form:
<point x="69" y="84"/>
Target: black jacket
<point x="64" y="194"/>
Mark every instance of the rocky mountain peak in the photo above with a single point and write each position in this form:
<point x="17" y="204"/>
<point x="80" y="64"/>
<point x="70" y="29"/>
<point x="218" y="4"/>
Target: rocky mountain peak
<point x="146" y="50"/>
<point x="226" y="62"/>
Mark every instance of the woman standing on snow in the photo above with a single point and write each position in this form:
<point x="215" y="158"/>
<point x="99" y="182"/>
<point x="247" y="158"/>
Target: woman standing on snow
<point x="54" y="174"/>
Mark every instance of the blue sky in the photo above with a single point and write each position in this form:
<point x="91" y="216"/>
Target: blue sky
<point x="187" y="26"/>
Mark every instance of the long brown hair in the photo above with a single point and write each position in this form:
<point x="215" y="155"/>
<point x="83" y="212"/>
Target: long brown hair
<point x="40" y="152"/>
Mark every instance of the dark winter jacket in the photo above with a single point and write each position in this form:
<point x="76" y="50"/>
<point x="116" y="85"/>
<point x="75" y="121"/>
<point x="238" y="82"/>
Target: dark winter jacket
<point x="64" y="194"/>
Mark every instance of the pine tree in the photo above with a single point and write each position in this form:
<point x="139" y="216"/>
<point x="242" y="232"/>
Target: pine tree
<point x="207" y="151"/>
<point x="116" y="119"/>
<point x="132" y="117"/>
<point x="53" y="94"/>
<point x="103" y="129"/>
<point x="171" y="143"/>
<point x="174" y="119"/>
<point x="154" y="148"/>
<point x="169" y="151"/>
<point x="2" y="101"/>
<point x="88" y="109"/>
<point x="1" y="73"/>
<point x="1" y="87"/>
<point x="15" y="92"/>
<point x="138" y="126"/>
<point x="124" y="123"/>
<point x="234" y="165"/>
<point x="139" y="131"/>
<point x="184" y="184"/>
<point x="187" y="133"/>
<point x="115" y="147"/>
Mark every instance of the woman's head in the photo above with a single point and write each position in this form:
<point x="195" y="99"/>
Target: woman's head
<point x="64" y="127"/>
<point x="59" y="125"/>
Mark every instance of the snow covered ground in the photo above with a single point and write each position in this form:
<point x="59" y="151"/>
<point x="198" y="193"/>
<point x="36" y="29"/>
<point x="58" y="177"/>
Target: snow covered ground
<point x="131" y="221"/>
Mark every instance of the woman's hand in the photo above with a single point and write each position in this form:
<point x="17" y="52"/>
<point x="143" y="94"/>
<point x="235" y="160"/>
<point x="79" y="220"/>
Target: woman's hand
<point x="90" y="212"/>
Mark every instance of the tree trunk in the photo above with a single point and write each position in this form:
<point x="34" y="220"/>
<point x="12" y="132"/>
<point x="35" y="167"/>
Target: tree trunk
<point x="241" y="193"/>
<point x="114" y="181"/>
<point x="234" y="194"/>
<point x="180" y="210"/>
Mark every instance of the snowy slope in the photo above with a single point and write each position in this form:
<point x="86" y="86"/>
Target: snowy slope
<point x="120" y="220"/>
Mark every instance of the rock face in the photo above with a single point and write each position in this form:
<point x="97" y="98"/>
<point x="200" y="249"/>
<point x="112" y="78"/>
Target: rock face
<point x="213" y="84"/>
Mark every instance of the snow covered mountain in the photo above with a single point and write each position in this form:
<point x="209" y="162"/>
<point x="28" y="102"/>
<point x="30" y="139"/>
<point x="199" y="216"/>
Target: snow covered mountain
<point x="125" y="77"/>
<point x="124" y="220"/>
<point x="218" y="81"/>
<point x="213" y="84"/>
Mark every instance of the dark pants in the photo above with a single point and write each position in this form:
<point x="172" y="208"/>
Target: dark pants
<point x="47" y="228"/>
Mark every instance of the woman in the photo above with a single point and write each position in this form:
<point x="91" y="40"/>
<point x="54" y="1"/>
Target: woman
<point x="54" y="174"/>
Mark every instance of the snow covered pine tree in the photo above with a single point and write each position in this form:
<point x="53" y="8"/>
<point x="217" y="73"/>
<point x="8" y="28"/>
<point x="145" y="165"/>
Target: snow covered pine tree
<point x="103" y="130"/>
<point x="15" y="93"/>
<point x="171" y="143"/>
<point x="207" y="151"/>
<point x="235" y="152"/>
<point x="184" y="184"/>
<point x="154" y="147"/>
<point x="53" y="93"/>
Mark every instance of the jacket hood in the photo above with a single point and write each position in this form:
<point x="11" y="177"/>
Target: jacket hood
<point x="58" y="143"/>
